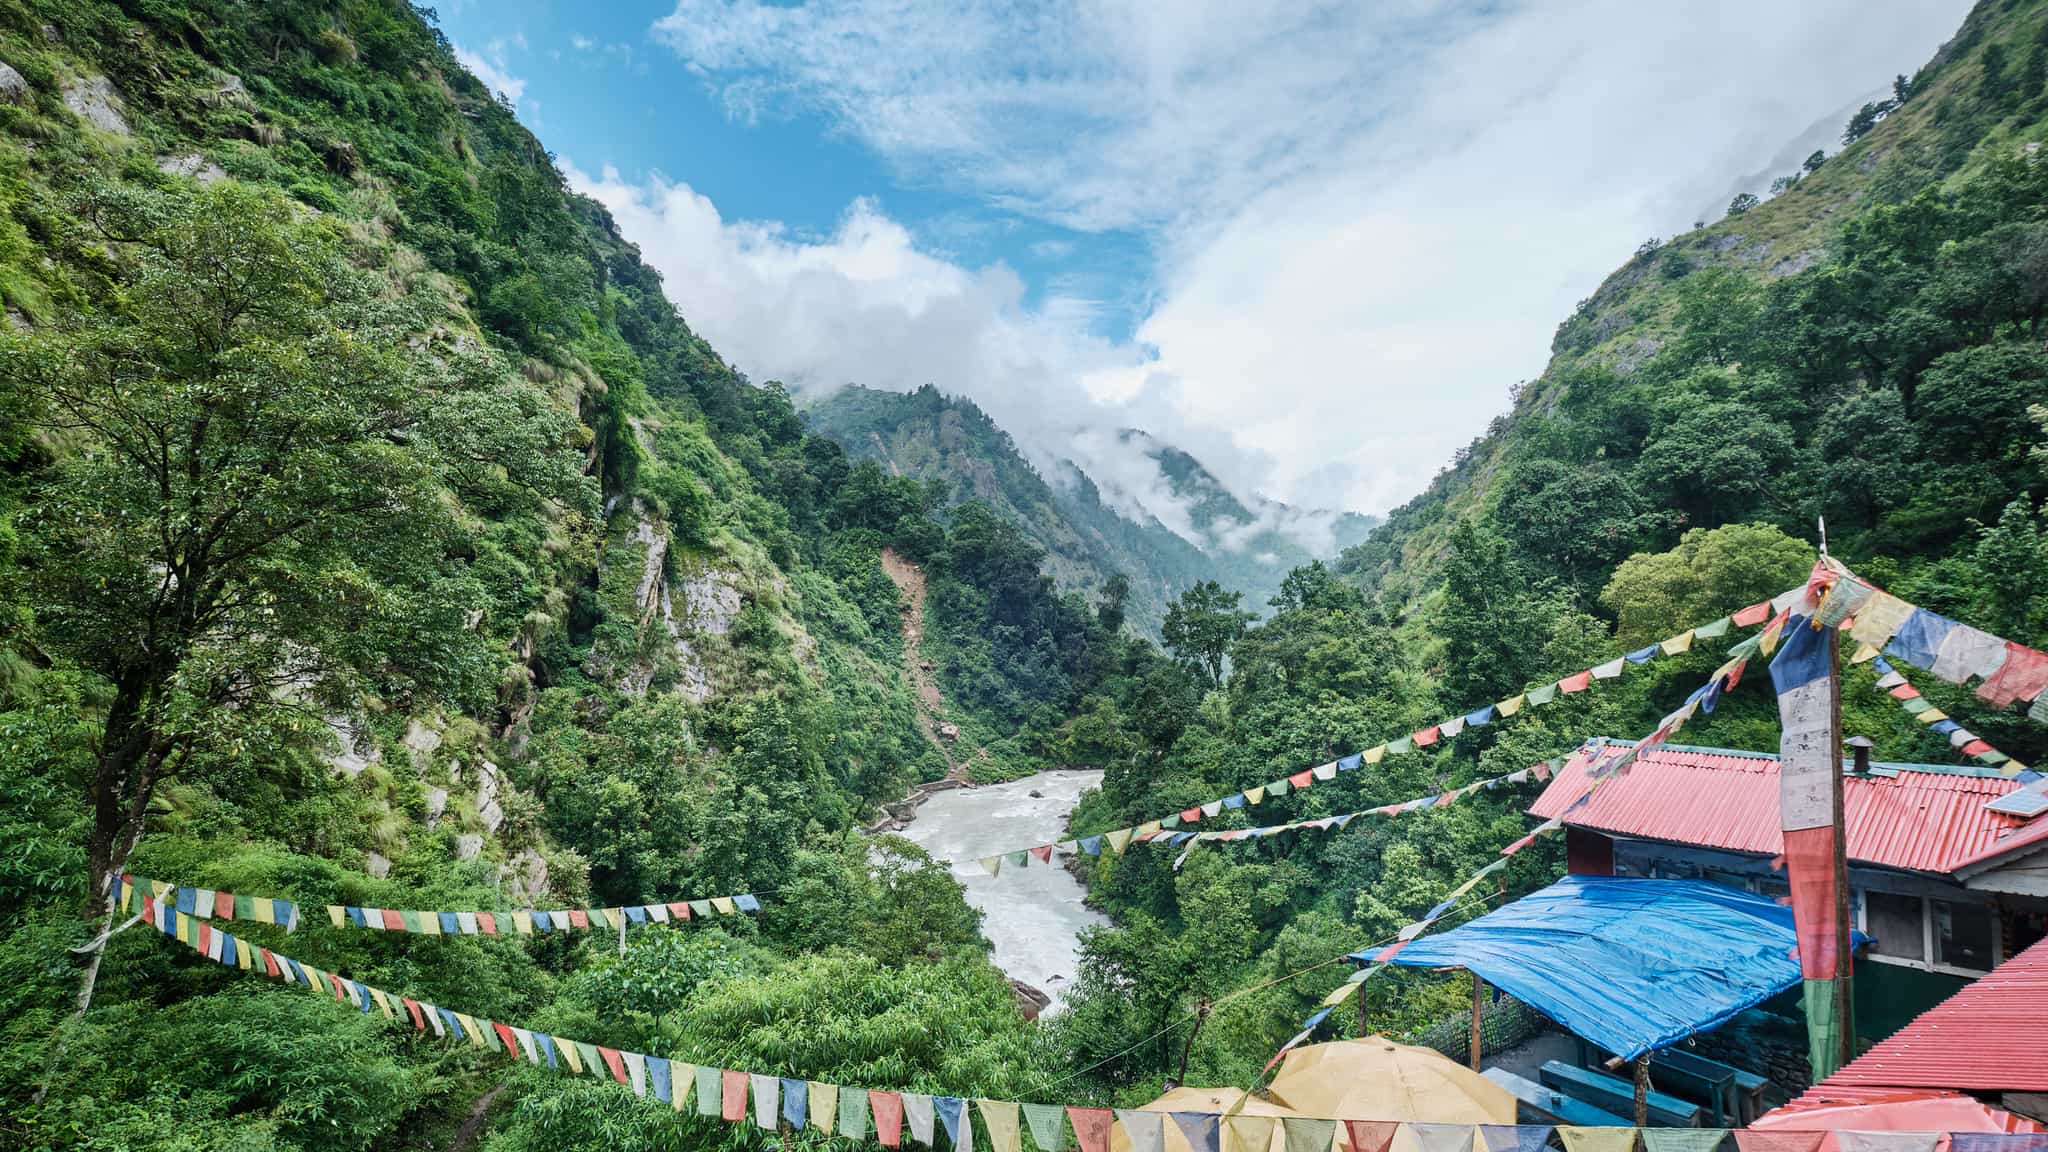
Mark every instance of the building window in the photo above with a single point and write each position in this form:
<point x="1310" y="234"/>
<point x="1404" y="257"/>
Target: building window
<point x="1895" y="921"/>
<point x="1963" y="935"/>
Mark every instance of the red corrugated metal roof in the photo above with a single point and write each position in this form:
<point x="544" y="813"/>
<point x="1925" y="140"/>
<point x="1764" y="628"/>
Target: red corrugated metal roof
<point x="1924" y="818"/>
<point x="1989" y="1037"/>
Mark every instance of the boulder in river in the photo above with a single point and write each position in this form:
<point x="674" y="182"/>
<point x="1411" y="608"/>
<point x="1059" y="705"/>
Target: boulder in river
<point x="1030" y="1001"/>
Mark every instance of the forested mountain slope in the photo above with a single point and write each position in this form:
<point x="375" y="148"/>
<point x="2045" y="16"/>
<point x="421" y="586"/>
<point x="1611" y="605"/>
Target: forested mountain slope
<point x="1088" y="537"/>
<point x="374" y="532"/>
<point x="1862" y="346"/>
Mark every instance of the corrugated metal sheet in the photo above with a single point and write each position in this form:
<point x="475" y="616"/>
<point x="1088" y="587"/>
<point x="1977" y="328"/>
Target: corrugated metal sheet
<point x="1923" y="818"/>
<point x="1989" y="1037"/>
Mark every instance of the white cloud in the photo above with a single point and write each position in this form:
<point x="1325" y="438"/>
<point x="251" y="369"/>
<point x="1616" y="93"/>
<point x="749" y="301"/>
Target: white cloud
<point x="1368" y="218"/>
<point x="489" y="66"/>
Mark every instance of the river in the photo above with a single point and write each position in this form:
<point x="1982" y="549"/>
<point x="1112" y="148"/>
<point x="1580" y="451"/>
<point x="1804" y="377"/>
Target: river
<point x="1032" y="916"/>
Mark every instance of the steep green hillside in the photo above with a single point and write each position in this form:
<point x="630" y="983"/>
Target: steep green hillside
<point x="949" y="441"/>
<point x="1766" y="366"/>
<point x="375" y="532"/>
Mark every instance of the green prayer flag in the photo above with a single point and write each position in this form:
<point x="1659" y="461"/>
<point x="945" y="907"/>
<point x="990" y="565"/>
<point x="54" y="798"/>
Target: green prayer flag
<point x="1713" y="631"/>
<point x="1172" y="821"/>
<point x="245" y="907"/>
<point x="1048" y="1126"/>
<point x="1400" y="747"/>
<point x="1747" y="648"/>
<point x="853" y="1113"/>
<point x="1543" y="695"/>
<point x="1823" y="1029"/>
<point x="711" y="1093"/>
<point x="593" y="1060"/>
<point x="1279" y="788"/>
<point x="1683" y="1139"/>
<point x="1308" y="1135"/>
<point x="411" y="919"/>
<point x="700" y="908"/>
<point x="1020" y="859"/>
<point x="1919" y="704"/>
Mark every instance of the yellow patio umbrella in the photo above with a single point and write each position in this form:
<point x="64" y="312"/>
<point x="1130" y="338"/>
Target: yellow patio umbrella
<point x="1370" y="1079"/>
<point x="1377" y="1079"/>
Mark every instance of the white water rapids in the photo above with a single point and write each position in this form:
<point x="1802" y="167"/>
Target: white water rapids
<point x="1032" y="916"/>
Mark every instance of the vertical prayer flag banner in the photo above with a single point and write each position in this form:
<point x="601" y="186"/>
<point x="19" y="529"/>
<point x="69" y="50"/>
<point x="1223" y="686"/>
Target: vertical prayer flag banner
<point x="1809" y="774"/>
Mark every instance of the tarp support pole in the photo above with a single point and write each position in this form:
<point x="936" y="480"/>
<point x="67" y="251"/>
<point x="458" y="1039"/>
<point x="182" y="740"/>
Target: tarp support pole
<point x="1478" y="1002"/>
<point x="1642" y="1090"/>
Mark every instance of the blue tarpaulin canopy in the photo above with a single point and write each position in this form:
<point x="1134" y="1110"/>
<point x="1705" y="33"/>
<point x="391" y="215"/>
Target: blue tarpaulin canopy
<point x="1631" y="965"/>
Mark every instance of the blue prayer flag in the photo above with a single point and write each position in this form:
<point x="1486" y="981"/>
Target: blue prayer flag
<point x="1091" y="845"/>
<point x="952" y="1110"/>
<point x="547" y="1045"/>
<point x="356" y="914"/>
<point x="657" y="1074"/>
<point x="185" y="899"/>
<point x="1200" y="1128"/>
<point x="636" y="913"/>
<point x="746" y="903"/>
<point x="450" y="926"/>
<point x="1918" y="640"/>
<point x="796" y="1103"/>
<point x="1236" y="801"/>
<point x="1479" y="718"/>
<point x="1643" y="655"/>
<point x="1351" y="762"/>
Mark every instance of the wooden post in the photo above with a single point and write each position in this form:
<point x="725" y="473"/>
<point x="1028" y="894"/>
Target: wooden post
<point x="1201" y="1016"/>
<point x="1642" y="1090"/>
<point x="1364" y="1026"/>
<point x="1845" y="1001"/>
<point x="1478" y="1002"/>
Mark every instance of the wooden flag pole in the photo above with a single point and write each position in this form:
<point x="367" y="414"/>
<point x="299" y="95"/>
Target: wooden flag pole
<point x="1478" y="1002"/>
<point x="1845" y="1001"/>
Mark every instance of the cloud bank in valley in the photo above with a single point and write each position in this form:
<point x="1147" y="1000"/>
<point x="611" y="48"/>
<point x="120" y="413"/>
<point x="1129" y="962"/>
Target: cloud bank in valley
<point x="1367" y="219"/>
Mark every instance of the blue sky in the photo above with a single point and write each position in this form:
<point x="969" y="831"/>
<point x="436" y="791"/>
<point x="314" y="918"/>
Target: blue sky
<point x="1313" y="242"/>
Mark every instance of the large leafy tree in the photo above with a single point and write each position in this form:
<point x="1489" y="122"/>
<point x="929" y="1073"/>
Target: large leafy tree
<point x="1202" y="625"/>
<point x="264" y="458"/>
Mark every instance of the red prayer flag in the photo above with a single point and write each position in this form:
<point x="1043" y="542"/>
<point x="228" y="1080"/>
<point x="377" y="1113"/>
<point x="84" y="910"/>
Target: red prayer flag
<point x="511" y="1041"/>
<point x="224" y="905"/>
<point x="1091" y="1127"/>
<point x="888" y="1110"/>
<point x="612" y="1060"/>
<point x="394" y="920"/>
<point x="1375" y="1135"/>
<point x="205" y="937"/>
<point x="1426" y="737"/>
<point x="1976" y="748"/>
<point x="1810" y="869"/>
<point x="2023" y="676"/>
<point x="270" y="963"/>
<point x="340" y="989"/>
<point x="579" y="918"/>
<point x="1754" y="614"/>
<point x="413" y="1008"/>
<point x="1044" y="853"/>
<point x="1906" y="692"/>
<point x="485" y="923"/>
<point x="1576" y="683"/>
<point x="1191" y="815"/>
<point x="1298" y="780"/>
<point x="733" y="1086"/>
<point x="680" y="910"/>
<point x="1754" y="1140"/>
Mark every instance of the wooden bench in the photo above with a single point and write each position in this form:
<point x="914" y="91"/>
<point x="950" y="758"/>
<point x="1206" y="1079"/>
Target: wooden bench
<point x="1698" y="1078"/>
<point x="1535" y="1104"/>
<point x="1618" y="1096"/>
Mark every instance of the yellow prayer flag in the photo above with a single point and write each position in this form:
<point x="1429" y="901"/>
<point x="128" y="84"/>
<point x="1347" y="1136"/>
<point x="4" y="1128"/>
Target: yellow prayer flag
<point x="1118" y="840"/>
<point x="1148" y="828"/>
<point x="1932" y="716"/>
<point x="266" y="912"/>
<point x="476" y="1032"/>
<point x="1344" y="992"/>
<point x="1254" y="795"/>
<point x="1375" y="754"/>
<point x="1578" y="1139"/>
<point x="1679" y="643"/>
<point x="575" y="1062"/>
<point x="1865" y="653"/>
<point x="682" y="1077"/>
<point x="1005" y="1133"/>
<point x="522" y="923"/>
<point x="1510" y="706"/>
<point x="723" y="904"/>
<point x="430" y="923"/>
<point x="243" y="953"/>
<point x="824" y="1105"/>
<point x="336" y="916"/>
<point x="185" y="930"/>
<point x="993" y="865"/>
<point x="1248" y="1133"/>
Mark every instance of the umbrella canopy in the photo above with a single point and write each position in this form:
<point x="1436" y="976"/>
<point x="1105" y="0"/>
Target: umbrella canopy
<point x="1370" y="1079"/>
<point x="1377" y="1079"/>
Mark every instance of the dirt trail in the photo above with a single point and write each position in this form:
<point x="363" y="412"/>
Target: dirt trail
<point x="909" y="580"/>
